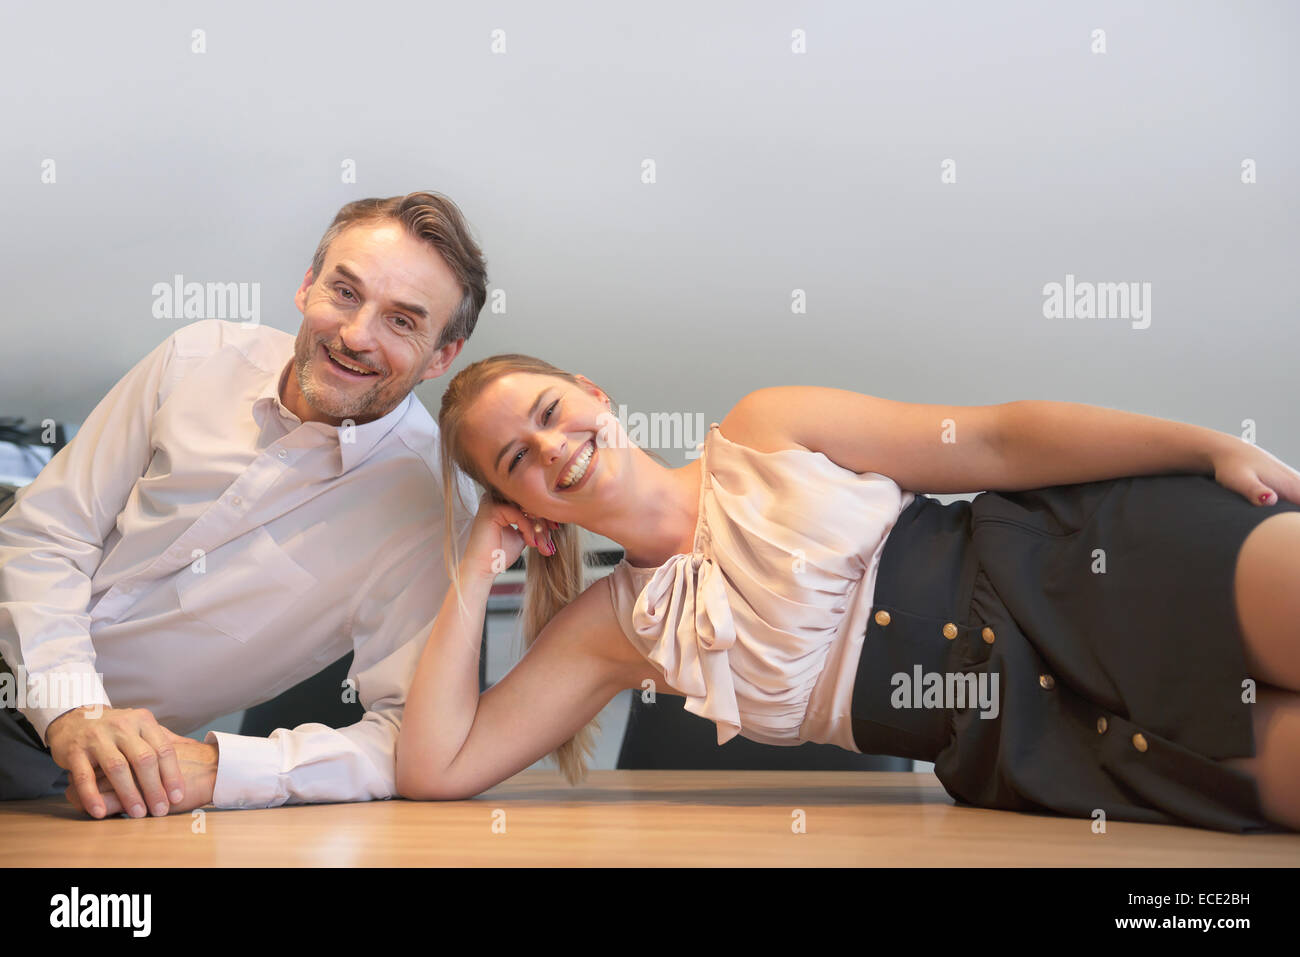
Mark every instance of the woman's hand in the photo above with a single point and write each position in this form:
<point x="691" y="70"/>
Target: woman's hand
<point x="500" y="533"/>
<point x="1247" y="469"/>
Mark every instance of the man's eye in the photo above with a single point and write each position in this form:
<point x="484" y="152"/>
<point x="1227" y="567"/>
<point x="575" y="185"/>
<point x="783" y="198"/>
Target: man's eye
<point x="344" y="289"/>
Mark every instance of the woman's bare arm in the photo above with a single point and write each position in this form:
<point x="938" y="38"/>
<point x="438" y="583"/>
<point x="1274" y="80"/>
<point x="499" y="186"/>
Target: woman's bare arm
<point x="927" y="448"/>
<point x="1016" y="445"/>
<point x="579" y="662"/>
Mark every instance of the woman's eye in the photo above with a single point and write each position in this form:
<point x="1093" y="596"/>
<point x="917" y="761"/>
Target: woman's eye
<point x="518" y="455"/>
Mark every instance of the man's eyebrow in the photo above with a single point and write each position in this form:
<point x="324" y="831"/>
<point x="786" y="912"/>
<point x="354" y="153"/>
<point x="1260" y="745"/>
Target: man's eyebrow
<point x="353" y="278"/>
<point x="496" y="466"/>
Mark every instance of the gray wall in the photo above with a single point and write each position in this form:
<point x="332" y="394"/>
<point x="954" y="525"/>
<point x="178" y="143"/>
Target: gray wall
<point x="775" y="171"/>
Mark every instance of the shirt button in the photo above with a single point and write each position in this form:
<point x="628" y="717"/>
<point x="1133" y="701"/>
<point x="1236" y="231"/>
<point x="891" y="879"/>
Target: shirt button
<point x="950" y="631"/>
<point x="882" y="618"/>
<point x="1047" y="681"/>
<point x="282" y="454"/>
<point x="236" y="501"/>
<point x="1139" y="742"/>
<point x="988" y="635"/>
<point x="1102" y="724"/>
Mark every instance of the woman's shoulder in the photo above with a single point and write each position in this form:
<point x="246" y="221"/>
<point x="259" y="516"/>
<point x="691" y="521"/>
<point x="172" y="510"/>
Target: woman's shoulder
<point x="751" y="422"/>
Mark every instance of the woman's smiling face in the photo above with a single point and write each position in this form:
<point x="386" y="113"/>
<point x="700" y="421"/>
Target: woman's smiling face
<point x="550" y="445"/>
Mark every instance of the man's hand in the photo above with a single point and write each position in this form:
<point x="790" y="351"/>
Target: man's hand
<point x="198" y="763"/>
<point x="133" y="753"/>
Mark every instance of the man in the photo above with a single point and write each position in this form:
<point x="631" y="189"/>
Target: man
<point x="241" y="510"/>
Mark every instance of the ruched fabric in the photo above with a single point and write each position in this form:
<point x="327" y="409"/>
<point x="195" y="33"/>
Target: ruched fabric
<point x="760" y="625"/>
<point x="684" y="616"/>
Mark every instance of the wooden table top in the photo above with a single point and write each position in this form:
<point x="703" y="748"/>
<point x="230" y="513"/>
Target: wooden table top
<point x="631" y="818"/>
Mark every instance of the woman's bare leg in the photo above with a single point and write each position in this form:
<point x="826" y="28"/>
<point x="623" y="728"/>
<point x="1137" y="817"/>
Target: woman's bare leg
<point x="1276" y="765"/>
<point x="1267" y="584"/>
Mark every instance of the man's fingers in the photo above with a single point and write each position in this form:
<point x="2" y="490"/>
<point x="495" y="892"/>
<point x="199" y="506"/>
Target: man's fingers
<point x="82" y="775"/>
<point x="169" y="765"/>
<point x="144" y="762"/>
<point x="117" y="769"/>
<point x="112" y="804"/>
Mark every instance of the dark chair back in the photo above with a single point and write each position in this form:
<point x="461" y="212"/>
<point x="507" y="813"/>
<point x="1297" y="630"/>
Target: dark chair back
<point x="666" y="736"/>
<point x="319" y="700"/>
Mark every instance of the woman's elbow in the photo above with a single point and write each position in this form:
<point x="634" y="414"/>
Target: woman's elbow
<point x="422" y="784"/>
<point x="415" y="784"/>
<point x="413" y="792"/>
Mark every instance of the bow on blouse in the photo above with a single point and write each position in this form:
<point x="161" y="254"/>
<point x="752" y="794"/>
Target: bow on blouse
<point x="684" y="612"/>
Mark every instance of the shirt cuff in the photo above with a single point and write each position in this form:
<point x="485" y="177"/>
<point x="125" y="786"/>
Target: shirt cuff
<point x="51" y="694"/>
<point x="248" y="771"/>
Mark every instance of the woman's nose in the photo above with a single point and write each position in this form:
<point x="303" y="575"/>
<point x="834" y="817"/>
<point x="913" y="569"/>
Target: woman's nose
<point x="553" y="445"/>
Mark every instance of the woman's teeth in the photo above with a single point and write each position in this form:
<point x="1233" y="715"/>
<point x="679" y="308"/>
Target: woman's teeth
<point x="579" y="468"/>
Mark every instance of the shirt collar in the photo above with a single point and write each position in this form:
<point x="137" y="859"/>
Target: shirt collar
<point x="355" y="441"/>
<point x="268" y="400"/>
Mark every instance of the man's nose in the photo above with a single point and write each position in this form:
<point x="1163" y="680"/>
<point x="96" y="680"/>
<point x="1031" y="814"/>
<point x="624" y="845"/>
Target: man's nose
<point x="358" y="329"/>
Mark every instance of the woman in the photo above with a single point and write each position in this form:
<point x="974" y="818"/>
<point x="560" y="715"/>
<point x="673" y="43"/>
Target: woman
<point x="789" y="586"/>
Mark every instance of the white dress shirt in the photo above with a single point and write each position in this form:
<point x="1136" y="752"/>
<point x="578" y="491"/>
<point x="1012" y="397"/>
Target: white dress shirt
<point x="203" y="550"/>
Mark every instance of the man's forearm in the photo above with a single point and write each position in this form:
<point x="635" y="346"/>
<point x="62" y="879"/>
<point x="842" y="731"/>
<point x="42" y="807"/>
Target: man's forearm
<point x="52" y="539"/>
<point x="44" y="625"/>
<point x="310" y="764"/>
<point x="1058" y="443"/>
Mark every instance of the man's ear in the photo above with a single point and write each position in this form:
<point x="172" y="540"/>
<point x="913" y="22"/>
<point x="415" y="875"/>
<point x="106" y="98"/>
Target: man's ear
<point x="300" y="297"/>
<point x="442" y="360"/>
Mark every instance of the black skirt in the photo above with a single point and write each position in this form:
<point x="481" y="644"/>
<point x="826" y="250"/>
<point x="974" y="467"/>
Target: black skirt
<point x="1069" y="650"/>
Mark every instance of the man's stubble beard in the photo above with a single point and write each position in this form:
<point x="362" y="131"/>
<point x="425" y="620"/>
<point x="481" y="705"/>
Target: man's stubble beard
<point x="326" y="401"/>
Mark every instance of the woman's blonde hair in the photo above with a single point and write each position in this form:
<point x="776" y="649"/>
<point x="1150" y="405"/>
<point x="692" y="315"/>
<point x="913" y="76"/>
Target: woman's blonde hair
<point x="549" y="583"/>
